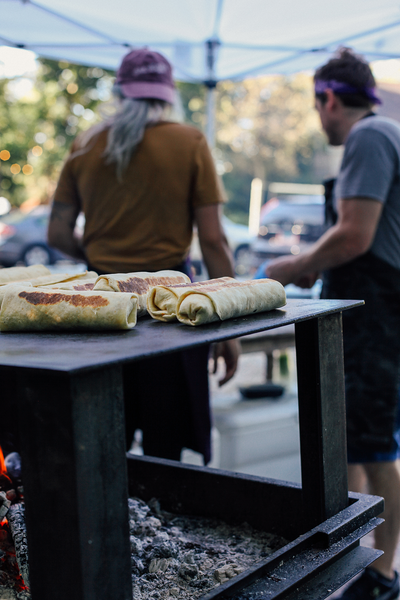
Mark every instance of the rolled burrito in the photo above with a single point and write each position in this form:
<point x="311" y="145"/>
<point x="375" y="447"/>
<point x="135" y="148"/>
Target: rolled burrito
<point x="230" y="300"/>
<point x="86" y="285"/>
<point x="139" y="283"/>
<point x="162" y="300"/>
<point x="40" y="309"/>
<point x="11" y="286"/>
<point x="22" y="273"/>
<point x="55" y="279"/>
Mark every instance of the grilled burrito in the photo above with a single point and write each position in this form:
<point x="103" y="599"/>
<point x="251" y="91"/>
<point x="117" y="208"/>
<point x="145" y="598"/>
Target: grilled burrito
<point x="86" y="285"/>
<point x="58" y="279"/>
<point x="40" y="309"/>
<point x="22" y="273"/>
<point x="11" y="286"/>
<point x="139" y="283"/>
<point x="162" y="300"/>
<point x="224" y="299"/>
<point x="64" y="278"/>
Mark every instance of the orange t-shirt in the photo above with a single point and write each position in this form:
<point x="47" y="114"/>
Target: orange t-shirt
<point x="145" y="221"/>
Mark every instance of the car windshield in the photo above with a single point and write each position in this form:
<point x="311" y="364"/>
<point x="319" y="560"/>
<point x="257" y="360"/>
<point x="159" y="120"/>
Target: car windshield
<point x="306" y="213"/>
<point x="303" y="217"/>
<point x="14" y="217"/>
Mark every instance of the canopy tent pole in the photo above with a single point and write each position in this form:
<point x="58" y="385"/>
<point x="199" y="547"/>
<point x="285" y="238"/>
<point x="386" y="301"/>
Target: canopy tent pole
<point x="211" y="84"/>
<point x="210" y="123"/>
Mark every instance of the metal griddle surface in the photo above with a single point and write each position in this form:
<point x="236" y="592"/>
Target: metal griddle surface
<point x="74" y="352"/>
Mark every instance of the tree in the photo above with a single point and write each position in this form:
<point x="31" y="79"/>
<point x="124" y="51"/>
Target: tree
<point x="266" y="128"/>
<point x="38" y="127"/>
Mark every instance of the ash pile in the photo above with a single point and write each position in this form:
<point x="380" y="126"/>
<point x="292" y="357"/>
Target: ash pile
<point x="14" y="567"/>
<point x="175" y="557"/>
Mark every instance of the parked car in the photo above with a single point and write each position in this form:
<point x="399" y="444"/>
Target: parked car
<point x="288" y="226"/>
<point x="23" y="238"/>
<point x="239" y="240"/>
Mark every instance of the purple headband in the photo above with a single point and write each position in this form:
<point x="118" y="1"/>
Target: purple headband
<point x="340" y="87"/>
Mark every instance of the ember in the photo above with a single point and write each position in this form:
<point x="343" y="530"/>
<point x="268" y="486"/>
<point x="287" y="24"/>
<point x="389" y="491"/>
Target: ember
<point x="3" y="469"/>
<point x="12" y="535"/>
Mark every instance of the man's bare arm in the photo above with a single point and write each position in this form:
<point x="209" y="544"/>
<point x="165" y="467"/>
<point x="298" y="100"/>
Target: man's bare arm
<point x="219" y="262"/>
<point x="60" y="233"/>
<point x="349" y="238"/>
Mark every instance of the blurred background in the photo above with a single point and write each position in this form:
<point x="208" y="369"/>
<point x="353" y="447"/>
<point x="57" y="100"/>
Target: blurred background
<point x="266" y="141"/>
<point x="269" y="151"/>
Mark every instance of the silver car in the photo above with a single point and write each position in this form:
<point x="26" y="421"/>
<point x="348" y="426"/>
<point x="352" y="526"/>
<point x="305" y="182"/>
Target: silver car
<point x="23" y="238"/>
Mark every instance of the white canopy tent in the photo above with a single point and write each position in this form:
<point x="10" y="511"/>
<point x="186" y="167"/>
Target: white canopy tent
<point x="206" y="40"/>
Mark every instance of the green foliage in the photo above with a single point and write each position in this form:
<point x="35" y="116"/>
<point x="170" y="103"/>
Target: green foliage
<point x="266" y="128"/>
<point x="38" y="127"/>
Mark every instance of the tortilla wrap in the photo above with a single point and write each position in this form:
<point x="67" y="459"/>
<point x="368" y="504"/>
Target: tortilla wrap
<point x="22" y="273"/>
<point x="139" y="283"/>
<point x="64" y="278"/>
<point x="9" y="286"/>
<point x="40" y="309"/>
<point x="86" y="285"/>
<point x="230" y="300"/>
<point x="162" y="301"/>
<point x="56" y="279"/>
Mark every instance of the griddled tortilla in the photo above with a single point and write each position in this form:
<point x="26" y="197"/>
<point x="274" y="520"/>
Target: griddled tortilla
<point x="139" y="283"/>
<point x="162" y="301"/>
<point x="22" y="273"/>
<point x="222" y="299"/>
<point x="9" y="286"/>
<point x="86" y="285"/>
<point x="40" y="309"/>
<point x="56" y="279"/>
<point x="230" y="300"/>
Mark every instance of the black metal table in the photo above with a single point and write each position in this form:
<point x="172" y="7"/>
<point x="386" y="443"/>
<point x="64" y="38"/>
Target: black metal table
<point x="70" y="404"/>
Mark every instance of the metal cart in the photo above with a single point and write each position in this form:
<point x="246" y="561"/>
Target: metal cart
<point x="68" y="391"/>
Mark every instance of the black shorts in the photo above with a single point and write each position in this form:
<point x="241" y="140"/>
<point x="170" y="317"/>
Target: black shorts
<point x="371" y="336"/>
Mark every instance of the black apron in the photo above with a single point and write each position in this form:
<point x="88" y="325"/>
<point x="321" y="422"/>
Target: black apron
<point x="371" y="335"/>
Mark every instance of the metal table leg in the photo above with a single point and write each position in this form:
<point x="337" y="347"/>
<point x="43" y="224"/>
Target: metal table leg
<point x="75" y="484"/>
<point x="320" y="373"/>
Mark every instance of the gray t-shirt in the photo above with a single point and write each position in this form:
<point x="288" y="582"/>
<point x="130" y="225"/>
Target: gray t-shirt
<point x="371" y="169"/>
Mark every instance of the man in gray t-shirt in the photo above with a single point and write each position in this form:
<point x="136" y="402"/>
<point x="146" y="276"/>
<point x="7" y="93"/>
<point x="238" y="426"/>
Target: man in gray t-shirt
<point x="359" y="255"/>
<point x="371" y="169"/>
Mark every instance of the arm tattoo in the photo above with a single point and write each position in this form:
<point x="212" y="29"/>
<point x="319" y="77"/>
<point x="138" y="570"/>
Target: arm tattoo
<point x="64" y="213"/>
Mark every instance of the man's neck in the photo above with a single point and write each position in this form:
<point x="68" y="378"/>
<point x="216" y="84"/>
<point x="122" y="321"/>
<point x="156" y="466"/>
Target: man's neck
<point x="351" y="116"/>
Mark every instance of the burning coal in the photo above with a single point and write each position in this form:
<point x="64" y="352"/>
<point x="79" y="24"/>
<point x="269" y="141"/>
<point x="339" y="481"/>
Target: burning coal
<point x="14" y="568"/>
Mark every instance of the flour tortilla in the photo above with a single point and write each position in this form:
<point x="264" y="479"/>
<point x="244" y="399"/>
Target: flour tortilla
<point x="139" y="283"/>
<point x="11" y="286"/>
<point x="40" y="309"/>
<point x="230" y="300"/>
<point x="162" y="300"/>
<point x="85" y="285"/>
<point x="55" y="279"/>
<point x="22" y="273"/>
<point x="65" y="278"/>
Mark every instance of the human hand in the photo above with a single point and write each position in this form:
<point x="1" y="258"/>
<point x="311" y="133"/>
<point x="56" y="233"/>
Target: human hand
<point x="229" y="351"/>
<point x="283" y="269"/>
<point x="306" y="280"/>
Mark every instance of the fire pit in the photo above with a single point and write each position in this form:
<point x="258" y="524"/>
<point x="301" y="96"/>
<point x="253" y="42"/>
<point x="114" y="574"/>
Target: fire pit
<point x="70" y="411"/>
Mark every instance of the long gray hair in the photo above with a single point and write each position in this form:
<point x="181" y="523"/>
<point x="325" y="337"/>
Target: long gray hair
<point x="127" y="126"/>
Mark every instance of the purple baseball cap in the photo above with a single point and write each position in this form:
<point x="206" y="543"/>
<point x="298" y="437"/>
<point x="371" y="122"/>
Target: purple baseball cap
<point x="146" y="74"/>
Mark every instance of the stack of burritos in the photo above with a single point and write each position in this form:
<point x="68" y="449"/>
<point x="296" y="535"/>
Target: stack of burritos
<point x="33" y="299"/>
